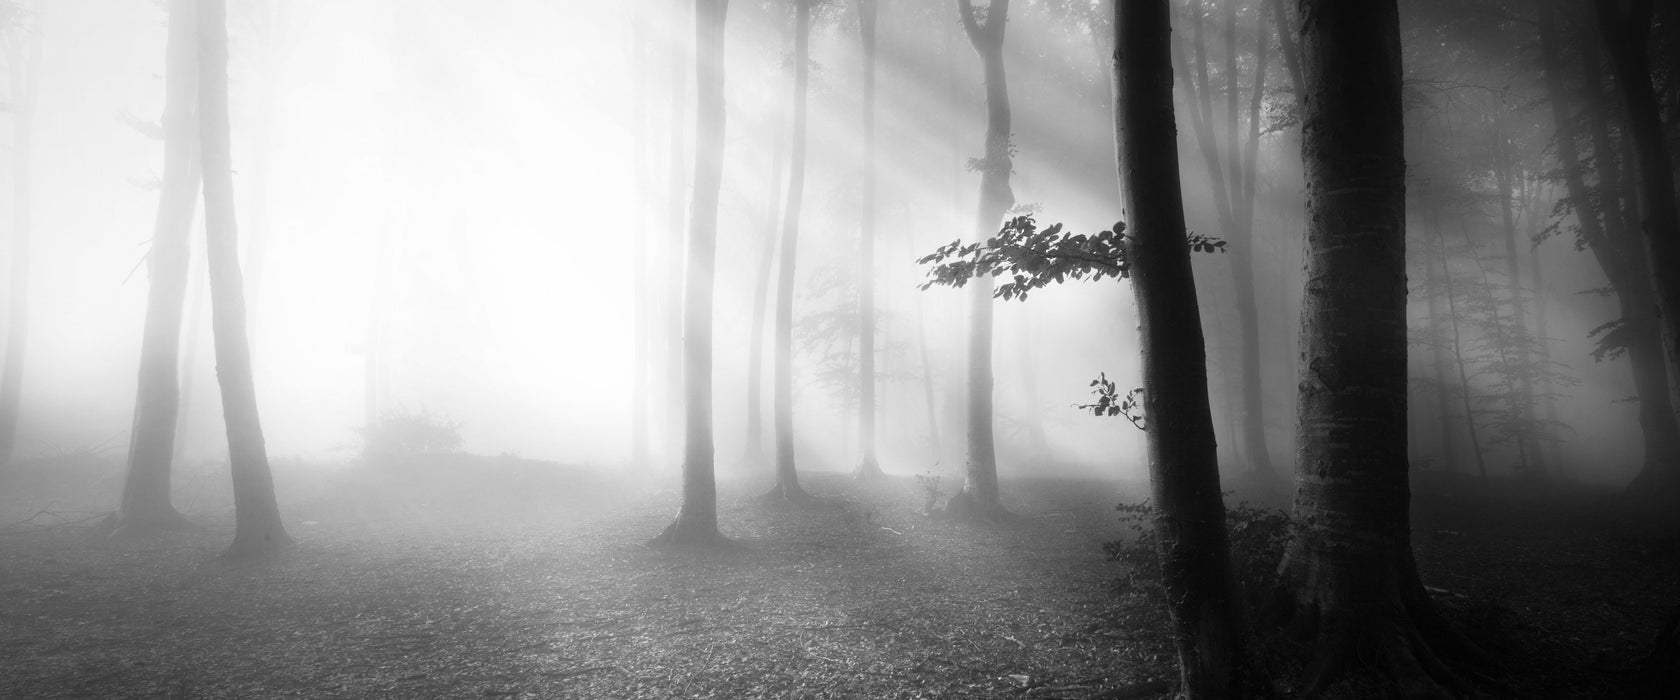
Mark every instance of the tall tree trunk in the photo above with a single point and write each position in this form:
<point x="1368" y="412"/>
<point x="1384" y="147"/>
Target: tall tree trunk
<point x="1351" y="581"/>
<point x="1438" y="354"/>
<point x="674" y="358"/>
<point x="256" y="513"/>
<point x="145" y="507"/>
<point x="24" y="58"/>
<point x="1625" y="26"/>
<point x="696" y="523"/>
<point x="979" y="494"/>
<point x="1602" y="230"/>
<point x="787" y="473"/>
<point x="752" y="454"/>
<point x="1529" y="460"/>
<point x="189" y="360"/>
<point x="867" y="466"/>
<point x="1464" y="394"/>
<point x="640" y="406"/>
<point x="1210" y="632"/>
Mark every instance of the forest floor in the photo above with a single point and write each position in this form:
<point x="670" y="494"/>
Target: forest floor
<point x="497" y="577"/>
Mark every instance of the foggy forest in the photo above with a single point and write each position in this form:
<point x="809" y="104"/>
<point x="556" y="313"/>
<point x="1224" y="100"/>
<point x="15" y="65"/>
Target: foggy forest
<point x="1042" y="349"/>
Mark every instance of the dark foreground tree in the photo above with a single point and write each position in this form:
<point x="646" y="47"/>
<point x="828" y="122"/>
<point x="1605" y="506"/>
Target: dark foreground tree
<point x="985" y="30"/>
<point x="696" y="523"/>
<point x="1626" y="28"/>
<point x="787" y="473"/>
<point x="146" y="507"/>
<point x="1208" y="621"/>
<point x="1351" y="585"/>
<point x="868" y="467"/>
<point x="258" y="529"/>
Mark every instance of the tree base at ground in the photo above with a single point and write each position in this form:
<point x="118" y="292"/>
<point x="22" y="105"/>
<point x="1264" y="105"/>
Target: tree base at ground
<point x="1398" y="634"/>
<point x="868" y="469"/>
<point x="968" y="507"/>
<point x="789" y="493"/>
<point x="251" y="547"/>
<point x="685" y="534"/>
<point x="137" y="526"/>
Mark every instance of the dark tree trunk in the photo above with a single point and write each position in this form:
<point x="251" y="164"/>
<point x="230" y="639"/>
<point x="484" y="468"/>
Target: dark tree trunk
<point x="1620" y="260"/>
<point x="24" y="57"/>
<point x="1529" y="460"/>
<point x="1352" y="585"/>
<point x="145" y="507"/>
<point x="1438" y="357"/>
<point x="1625" y="26"/>
<point x="867" y="467"/>
<point x="787" y="472"/>
<point x="1209" y="629"/>
<point x="696" y="523"/>
<point x="258" y="529"/>
<point x="1466" y="400"/>
<point x="979" y="494"/>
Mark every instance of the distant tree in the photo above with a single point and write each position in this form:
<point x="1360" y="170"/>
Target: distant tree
<point x="258" y="529"/>
<point x="23" y="56"/>
<point x="1602" y="229"/>
<point x="868" y="466"/>
<point x="640" y="47"/>
<point x="1231" y="170"/>
<point x="1626" y="29"/>
<point x="787" y="474"/>
<point x="145" y="506"/>
<point x="696" y="522"/>
<point x="752" y="454"/>
<point x="985" y="28"/>
<point x="1348" y="569"/>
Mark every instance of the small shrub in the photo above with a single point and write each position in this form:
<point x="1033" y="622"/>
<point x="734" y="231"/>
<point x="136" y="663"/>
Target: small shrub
<point x="928" y="482"/>
<point x="405" y="434"/>
<point x="1256" y="535"/>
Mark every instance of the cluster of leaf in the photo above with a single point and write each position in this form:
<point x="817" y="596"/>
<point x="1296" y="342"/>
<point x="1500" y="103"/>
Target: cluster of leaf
<point x="1110" y="403"/>
<point x="1030" y="258"/>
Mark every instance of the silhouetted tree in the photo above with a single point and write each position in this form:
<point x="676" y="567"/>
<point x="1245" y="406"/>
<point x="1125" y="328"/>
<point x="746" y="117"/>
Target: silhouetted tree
<point x="258" y="529"/>
<point x="985" y="28"/>
<point x="787" y="473"/>
<point x="1351" y="580"/>
<point x="146" y="506"/>
<point x="868" y="466"/>
<point x="1626" y="28"/>
<point x="696" y="522"/>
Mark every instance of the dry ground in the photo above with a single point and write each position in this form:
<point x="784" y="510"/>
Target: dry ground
<point x="504" y="578"/>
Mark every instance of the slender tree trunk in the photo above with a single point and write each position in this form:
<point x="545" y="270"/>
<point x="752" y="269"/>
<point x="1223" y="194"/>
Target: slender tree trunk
<point x="145" y="508"/>
<point x="1529" y="460"/>
<point x="696" y="522"/>
<point x="1209" y="630"/>
<point x="256" y="513"/>
<point x="752" y="455"/>
<point x="1438" y="354"/>
<point x="1232" y="179"/>
<point x="25" y="56"/>
<point x="979" y="494"/>
<point x="1626" y="27"/>
<point x="787" y="473"/>
<point x="189" y="362"/>
<point x="867" y="467"/>
<point x="640" y="406"/>
<point x="1352" y="584"/>
<point x="1464" y="392"/>
<point x="1603" y="232"/>
<point x="674" y="358"/>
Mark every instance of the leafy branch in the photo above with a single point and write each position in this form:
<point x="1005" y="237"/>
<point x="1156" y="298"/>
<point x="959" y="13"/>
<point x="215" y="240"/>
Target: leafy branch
<point x="1110" y="403"/>
<point x="1032" y="259"/>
